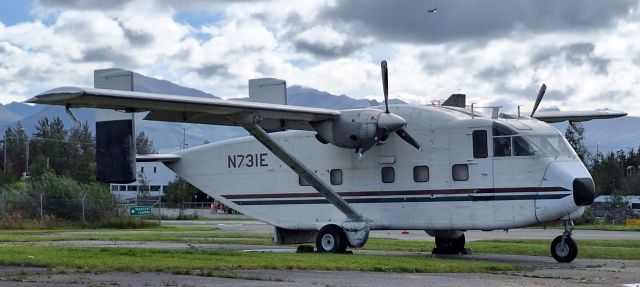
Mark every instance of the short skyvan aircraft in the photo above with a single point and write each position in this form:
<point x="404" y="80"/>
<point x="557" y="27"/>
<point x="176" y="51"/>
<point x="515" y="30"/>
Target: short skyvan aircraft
<point x="443" y="168"/>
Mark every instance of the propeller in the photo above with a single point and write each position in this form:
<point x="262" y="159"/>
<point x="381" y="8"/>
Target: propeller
<point x="385" y="85"/>
<point x="388" y="122"/>
<point x="543" y="89"/>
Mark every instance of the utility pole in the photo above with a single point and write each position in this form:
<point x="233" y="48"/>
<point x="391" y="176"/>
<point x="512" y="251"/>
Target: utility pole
<point x="26" y="164"/>
<point x="4" y="145"/>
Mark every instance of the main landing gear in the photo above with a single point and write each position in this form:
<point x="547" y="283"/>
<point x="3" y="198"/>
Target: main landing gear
<point x="331" y="239"/>
<point x="448" y="241"/>
<point x="446" y="245"/>
<point x="563" y="248"/>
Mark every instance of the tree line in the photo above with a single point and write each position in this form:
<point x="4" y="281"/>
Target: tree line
<point x="613" y="172"/>
<point x="69" y="153"/>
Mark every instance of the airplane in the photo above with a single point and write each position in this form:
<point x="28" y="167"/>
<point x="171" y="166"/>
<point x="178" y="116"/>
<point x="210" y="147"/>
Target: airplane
<point x="434" y="10"/>
<point x="330" y="176"/>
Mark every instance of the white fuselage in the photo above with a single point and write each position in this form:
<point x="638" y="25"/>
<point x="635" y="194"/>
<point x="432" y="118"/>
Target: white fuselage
<point x="499" y="192"/>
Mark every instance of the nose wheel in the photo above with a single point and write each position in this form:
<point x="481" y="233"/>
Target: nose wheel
<point x="563" y="248"/>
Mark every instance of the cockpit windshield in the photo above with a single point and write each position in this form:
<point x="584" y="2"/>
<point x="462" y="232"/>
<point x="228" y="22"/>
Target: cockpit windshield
<point x="508" y="141"/>
<point x="553" y="145"/>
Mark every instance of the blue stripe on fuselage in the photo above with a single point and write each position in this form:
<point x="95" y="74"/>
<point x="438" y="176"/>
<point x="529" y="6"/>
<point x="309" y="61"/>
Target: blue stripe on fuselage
<point x="408" y="199"/>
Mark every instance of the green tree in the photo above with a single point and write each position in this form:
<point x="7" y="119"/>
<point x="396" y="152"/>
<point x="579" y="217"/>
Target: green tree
<point x="575" y="137"/>
<point x="179" y="191"/>
<point x="16" y="146"/>
<point x="144" y="145"/>
<point x="81" y="146"/>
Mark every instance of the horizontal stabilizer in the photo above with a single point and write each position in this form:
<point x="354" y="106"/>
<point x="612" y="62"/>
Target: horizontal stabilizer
<point x="167" y="157"/>
<point x="576" y="116"/>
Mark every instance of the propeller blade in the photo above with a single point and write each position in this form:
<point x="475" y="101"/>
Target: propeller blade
<point x="385" y="84"/>
<point x="406" y="137"/>
<point x="539" y="98"/>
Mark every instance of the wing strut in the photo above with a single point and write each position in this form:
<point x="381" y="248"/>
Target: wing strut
<point x="251" y="124"/>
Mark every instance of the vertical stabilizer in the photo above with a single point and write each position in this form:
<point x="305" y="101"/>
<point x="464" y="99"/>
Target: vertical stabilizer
<point x="456" y="100"/>
<point x="115" y="142"/>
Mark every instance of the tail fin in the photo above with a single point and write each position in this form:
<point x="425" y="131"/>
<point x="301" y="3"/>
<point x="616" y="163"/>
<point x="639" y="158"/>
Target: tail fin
<point x="115" y="142"/>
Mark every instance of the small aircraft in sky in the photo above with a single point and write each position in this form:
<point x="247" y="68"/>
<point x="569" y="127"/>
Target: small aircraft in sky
<point x="330" y="176"/>
<point x="434" y="10"/>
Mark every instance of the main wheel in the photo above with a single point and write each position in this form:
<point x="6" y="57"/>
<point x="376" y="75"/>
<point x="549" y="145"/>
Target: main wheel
<point x="564" y="252"/>
<point x="450" y="245"/>
<point x="332" y="239"/>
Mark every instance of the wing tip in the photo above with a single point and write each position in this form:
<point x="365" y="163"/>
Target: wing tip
<point x="55" y="95"/>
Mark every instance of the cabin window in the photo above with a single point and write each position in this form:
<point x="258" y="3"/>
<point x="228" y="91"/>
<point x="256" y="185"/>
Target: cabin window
<point x="480" y="149"/>
<point x="501" y="146"/>
<point x="460" y="172"/>
<point x="335" y="176"/>
<point x="388" y="174"/>
<point x="303" y="182"/>
<point x="421" y="173"/>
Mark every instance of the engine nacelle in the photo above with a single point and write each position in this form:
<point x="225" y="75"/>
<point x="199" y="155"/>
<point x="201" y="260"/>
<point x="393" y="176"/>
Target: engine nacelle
<point x="354" y="128"/>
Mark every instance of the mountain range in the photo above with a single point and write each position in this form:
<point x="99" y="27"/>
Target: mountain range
<point x="602" y="135"/>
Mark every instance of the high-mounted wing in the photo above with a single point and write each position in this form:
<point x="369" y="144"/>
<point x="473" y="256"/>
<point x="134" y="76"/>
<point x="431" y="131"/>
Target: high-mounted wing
<point x="186" y="109"/>
<point x="576" y="116"/>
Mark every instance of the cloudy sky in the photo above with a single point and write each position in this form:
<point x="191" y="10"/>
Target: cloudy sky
<point x="497" y="52"/>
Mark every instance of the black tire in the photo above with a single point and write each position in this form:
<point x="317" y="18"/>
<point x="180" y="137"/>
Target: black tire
<point x="450" y="245"/>
<point x="564" y="253"/>
<point x="331" y="239"/>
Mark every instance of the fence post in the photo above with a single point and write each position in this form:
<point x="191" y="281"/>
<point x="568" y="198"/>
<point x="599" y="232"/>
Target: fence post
<point x="3" y="204"/>
<point x="41" y="208"/>
<point x="83" y="202"/>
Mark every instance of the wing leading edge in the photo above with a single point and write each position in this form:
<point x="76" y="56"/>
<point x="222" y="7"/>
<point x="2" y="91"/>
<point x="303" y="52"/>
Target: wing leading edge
<point x="185" y="109"/>
<point x="576" y="116"/>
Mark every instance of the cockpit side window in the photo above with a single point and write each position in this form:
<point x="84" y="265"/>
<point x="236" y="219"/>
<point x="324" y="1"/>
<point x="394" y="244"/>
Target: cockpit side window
<point x="522" y="147"/>
<point x="500" y="129"/>
<point x="502" y="146"/>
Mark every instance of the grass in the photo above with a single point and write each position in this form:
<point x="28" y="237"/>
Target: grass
<point x="185" y="261"/>
<point x="190" y="235"/>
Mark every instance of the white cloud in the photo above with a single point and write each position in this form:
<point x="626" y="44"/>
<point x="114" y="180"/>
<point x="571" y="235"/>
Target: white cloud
<point x="259" y="39"/>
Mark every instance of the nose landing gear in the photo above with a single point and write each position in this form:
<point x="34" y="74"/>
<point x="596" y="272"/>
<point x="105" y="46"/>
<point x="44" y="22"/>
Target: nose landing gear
<point x="563" y="248"/>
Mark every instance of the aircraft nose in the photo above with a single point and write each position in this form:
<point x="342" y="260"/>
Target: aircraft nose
<point x="584" y="191"/>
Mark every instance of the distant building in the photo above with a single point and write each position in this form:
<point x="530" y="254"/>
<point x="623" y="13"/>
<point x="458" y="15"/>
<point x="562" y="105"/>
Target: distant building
<point x="157" y="177"/>
<point x="633" y="201"/>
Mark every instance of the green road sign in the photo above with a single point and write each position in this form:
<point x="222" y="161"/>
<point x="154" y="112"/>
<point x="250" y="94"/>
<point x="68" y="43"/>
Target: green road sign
<point x="139" y="210"/>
